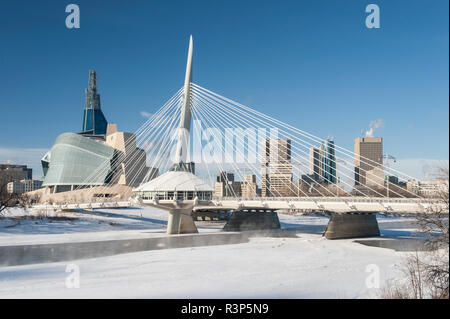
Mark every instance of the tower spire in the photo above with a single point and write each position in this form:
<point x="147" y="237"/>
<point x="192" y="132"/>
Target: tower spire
<point x="185" y="120"/>
<point x="94" y="121"/>
<point x="92" y="99"/>
<point x="93" y="80"/>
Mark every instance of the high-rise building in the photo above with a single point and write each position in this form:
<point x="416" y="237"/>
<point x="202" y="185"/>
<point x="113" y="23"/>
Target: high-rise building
<point x="328" y="157"/>
<point x="276" y="172"/>
<point x="249" y="186"/>
<point x="375" y="177"/>
<point x="315" y="163"/>
<point x="94" y="122"/>
<point x="368" y="155"/>
<point x="13" y="172"/>
<point x="99" y="155"/>
<point x="322" y="164"/>
<point x="226" y="186"/>
<point x="224" y="177"/>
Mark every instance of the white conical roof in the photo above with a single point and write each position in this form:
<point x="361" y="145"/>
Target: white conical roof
<point x="175" y="181"/>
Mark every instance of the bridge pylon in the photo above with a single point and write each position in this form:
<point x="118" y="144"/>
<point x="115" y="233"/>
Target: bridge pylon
<point x="181" y="222"/>
<point x="352" y="225"/>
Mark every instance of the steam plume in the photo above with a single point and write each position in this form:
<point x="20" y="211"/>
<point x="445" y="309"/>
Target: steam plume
<point x="374" y="125"/>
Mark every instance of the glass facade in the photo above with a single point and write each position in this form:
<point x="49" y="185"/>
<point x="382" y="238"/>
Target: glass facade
<point x="94" y="122"/>
<point x="329" y="162"/>
<point x="79" y="160"/>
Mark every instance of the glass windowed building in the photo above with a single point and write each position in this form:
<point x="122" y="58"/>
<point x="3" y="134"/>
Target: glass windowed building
<point x="96" y="156"/>
<point x="94" y="122"/>
<point x="77" y="160"/>
<point x="328" y="157"/>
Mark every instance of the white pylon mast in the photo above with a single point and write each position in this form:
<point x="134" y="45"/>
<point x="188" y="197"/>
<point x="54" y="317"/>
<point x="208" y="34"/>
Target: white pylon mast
<point x="185" y="120"/>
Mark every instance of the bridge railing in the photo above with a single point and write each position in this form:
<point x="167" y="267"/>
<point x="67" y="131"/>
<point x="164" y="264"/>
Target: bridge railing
<point x="331" y="199"/>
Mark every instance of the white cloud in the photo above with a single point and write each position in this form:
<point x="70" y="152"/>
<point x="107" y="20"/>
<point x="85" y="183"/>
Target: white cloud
<point x="146" y="114"/>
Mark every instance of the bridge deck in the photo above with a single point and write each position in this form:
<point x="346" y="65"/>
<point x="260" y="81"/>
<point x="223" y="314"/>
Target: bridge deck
<point x="347" y="204"/>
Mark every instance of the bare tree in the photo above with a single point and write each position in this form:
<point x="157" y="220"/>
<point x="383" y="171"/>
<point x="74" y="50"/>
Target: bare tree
<point x="427" y="272"/>
<point x="10" y="199"/>
<point x="434" y="222"/>
<point x="435" y="225"/>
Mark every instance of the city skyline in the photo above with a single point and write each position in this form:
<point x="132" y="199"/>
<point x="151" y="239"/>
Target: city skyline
<point x="228" y="150"/>
<point x="307" y="84"/>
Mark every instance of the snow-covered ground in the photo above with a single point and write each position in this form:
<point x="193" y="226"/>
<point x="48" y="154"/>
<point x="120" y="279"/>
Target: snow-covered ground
<point x="306" y="266"/>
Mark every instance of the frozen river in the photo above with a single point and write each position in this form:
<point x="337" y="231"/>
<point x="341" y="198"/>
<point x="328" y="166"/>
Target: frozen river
<point x="295" y="263"/>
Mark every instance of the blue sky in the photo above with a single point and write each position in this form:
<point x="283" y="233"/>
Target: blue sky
<point x="312" y="64"/>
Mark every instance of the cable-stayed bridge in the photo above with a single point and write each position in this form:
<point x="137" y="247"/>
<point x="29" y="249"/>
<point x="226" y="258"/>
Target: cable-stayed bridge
<point x="198" y="138"/>
<point x="331" y="204"/>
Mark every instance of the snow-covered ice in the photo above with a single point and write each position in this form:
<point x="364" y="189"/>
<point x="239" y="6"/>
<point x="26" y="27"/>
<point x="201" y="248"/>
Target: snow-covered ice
<point x="307" y="266"/>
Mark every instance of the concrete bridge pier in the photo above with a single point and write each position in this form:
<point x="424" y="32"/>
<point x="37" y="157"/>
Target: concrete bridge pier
<point x="352" y="225"/>
<point x="252" y="219"/>
<point x="181" y="222"/>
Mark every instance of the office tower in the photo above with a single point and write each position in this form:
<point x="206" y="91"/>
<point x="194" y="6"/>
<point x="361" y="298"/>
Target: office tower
<point x="276" y="173"/>
<point x="322" y="164"/>
<point x="375" y="177"/>
<point x="315" y="163"/>
<point x="94" y="122"/>
<point x="328" y="157"/>
<point x="226" y="186"/>
<point x="224" y="177"/>
<point x="368" y="155"/>
<point x="249" y="187"/>
<point x="12" y="172"/>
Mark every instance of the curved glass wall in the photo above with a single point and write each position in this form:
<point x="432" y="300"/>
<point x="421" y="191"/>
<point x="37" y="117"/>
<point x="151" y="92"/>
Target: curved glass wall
<point x="78" y="160"/>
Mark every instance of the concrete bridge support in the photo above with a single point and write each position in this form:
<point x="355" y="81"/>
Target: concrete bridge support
<point x="181" y="222"/>
<point x="352" y="225"/>
<point x="252" y="219"/>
